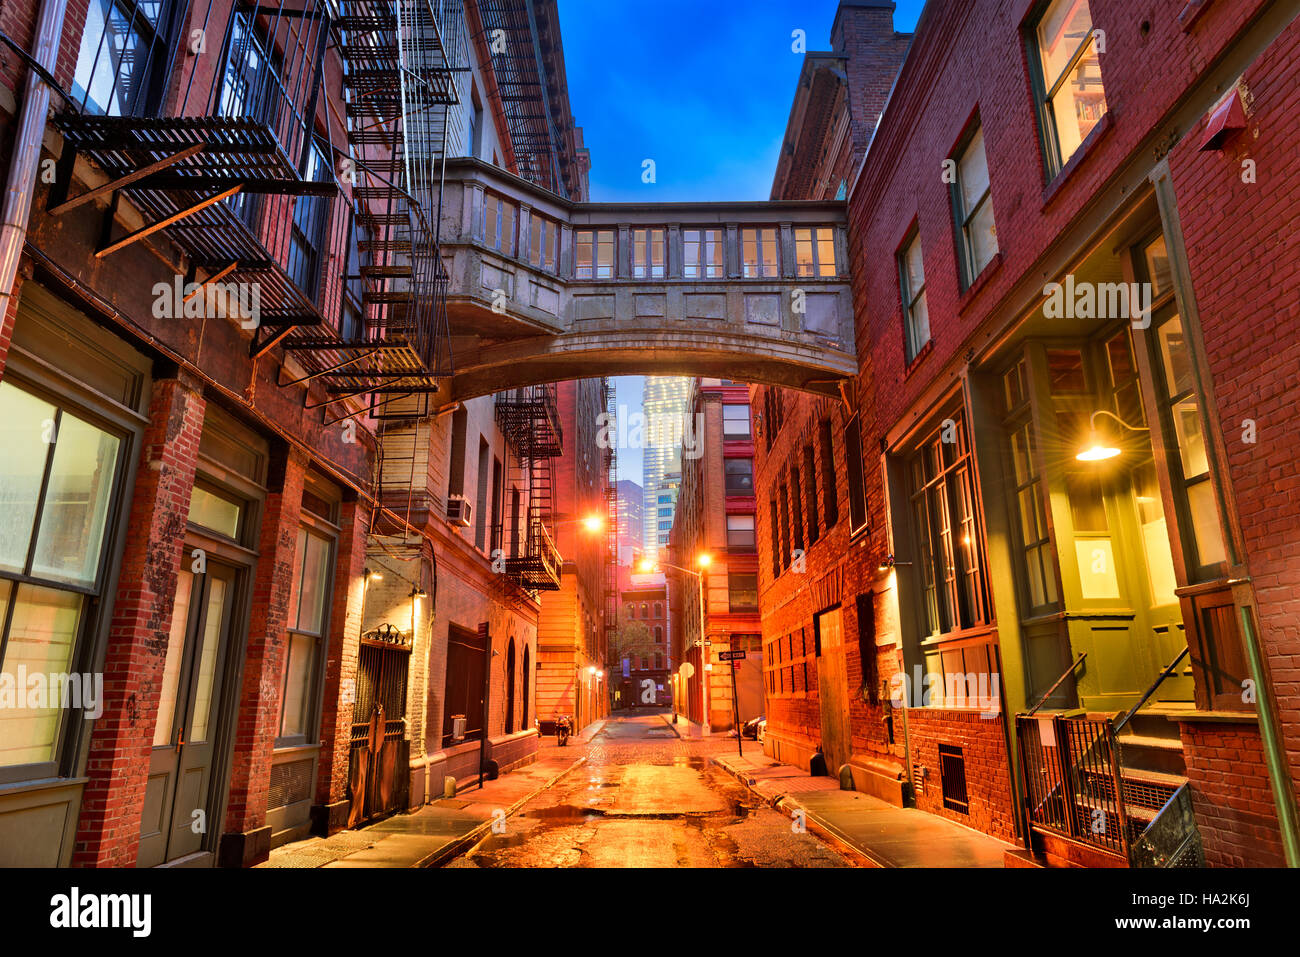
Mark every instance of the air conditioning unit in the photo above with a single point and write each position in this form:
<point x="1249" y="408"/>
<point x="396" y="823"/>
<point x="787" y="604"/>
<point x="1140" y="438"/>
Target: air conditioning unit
<point x="458" y="511"/>
<point x="458" y="727"/>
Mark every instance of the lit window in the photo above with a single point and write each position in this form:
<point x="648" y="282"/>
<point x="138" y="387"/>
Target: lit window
<point x="742" y="592"/>
<point x="595" y="254"/>
<point x="1071" y="99"/>
<point x="542" y="235"/>
<point x="648" y="253"/>
<point x="916" y="315"/>
<point x="761" y="257"/>
<point x="814" y="251"/>
<point x="972" y="204"/>
<point x="735" y="421"/>
<point x="703" y="253"/>
<point x="740" y="532"/>
<point x="499" y="224"/>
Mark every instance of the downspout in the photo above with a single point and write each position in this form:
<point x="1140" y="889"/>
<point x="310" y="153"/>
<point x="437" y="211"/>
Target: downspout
<point x="25" y="160"/>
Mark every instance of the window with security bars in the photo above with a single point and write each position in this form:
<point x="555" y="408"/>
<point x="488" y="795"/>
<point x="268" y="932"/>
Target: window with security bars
<point x="950" y="560"/>
<point x="952" y="778"/>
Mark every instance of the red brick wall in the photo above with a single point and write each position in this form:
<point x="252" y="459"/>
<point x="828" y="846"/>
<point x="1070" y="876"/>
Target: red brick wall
<point x="988" y="782"/>
<point x="1245" y="270"/>
<point x="108" y="832"/>
<point x="1231" y="795"/>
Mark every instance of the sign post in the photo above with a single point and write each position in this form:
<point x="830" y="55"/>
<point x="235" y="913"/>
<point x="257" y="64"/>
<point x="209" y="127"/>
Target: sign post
<point x="731" y="657"/>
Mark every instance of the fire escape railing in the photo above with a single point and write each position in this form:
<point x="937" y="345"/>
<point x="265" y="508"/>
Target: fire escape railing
<point x="529" y="420"/>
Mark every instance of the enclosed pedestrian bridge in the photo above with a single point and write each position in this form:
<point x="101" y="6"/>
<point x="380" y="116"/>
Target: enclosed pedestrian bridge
<point x="542" y="289"/>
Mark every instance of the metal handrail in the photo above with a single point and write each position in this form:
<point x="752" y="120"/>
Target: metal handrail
<point x="1057" y="683"/>
<point x="1152" y="690"/>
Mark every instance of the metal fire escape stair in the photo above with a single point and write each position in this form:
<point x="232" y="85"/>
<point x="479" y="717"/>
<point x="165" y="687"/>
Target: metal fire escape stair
<point x="529" y="419"/>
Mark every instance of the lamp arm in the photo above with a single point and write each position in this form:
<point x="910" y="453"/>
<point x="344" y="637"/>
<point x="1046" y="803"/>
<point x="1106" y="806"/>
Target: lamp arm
<point x="1092" y="421"/>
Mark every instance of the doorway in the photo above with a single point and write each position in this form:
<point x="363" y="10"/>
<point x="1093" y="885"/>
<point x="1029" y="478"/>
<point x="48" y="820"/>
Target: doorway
<point x="833" y="688"/>
<point x="179" y="804"/>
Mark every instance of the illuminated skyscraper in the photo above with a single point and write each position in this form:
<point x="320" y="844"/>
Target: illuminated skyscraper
<point x="665" y="409"/>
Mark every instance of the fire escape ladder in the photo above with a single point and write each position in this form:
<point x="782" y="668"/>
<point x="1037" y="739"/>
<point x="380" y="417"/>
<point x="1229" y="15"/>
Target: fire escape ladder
<point x="529" y="419"/>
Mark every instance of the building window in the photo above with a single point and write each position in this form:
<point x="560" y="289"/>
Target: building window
<point x="814" y="251"/>
<point x="659" y="660"/>
<point x="659" y="633"/>
<point x="742" y="592"/>
<point x="645" y="610"/>
<point x="648" y="253"/>
<point x="1037" y="555"/>
<point x="499" y="224"/>
<point x="1071" y="100"/>
<point x="762" y="258"/>
<point x="543" y="235"/>
<point x="856" y="475"/>
<point x="740" y="533"/>
<point x="787" y="543"/>
<point x="972" y="206"/>
<point x="703" y="253"/>
<point x="594" y="254"/>
<point x="308" y="614"/>
<point x="810" y="486"/>
<point x="739" y="476"/>
<point x="916" y="314"/>
<point x="735" y="421"/>
<point x="796" y="508"/>
<point x="57" y="477"/>
<point x="774" y="529"/>
<point x="830" y="498"/>
<point x="950" y="556"/>
<point x="659" y="609"/>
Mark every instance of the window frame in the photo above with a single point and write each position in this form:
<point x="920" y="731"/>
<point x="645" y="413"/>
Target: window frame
<point x="816" y="265"/>
<point x="969" y="269"/>
<point x="758" y="269"/>
<point x="909" y="298"/>
<point x="749" y="425"/>
<point x="645" y="239"/>
<point x="594" y="244"/>
<point x="311" y="525"/>
<point x="1048" y="134"/>
<point x="701" y="268"/>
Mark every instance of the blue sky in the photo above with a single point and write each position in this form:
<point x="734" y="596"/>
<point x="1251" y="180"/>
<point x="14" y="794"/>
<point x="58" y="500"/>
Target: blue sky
<point x="702" y="88"/>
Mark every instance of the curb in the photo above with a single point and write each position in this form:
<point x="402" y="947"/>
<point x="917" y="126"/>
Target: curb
<point x="458" y="846"/>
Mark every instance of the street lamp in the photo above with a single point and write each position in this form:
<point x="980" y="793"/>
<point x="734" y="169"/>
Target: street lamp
<point x="704" y="560"/>
<point x="1097" y="449"/>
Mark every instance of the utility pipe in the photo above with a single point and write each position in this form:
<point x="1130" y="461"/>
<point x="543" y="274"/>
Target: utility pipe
<point x="25" y="160"/>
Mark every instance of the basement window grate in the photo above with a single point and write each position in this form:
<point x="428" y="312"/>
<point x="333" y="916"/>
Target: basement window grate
<point x="952" y="778"/>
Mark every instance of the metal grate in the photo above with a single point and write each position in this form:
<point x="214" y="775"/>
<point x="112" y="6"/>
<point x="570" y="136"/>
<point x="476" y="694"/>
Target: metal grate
<point x="952" y="778"/>
<point x="290" y="783"/>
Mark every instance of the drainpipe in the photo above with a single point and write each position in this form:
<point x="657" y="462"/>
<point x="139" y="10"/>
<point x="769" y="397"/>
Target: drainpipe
<point x="21" y="182"/>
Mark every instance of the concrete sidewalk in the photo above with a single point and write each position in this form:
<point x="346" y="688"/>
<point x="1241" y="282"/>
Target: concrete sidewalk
<point x="437" y="832"/>
<point x="886" y="835"/>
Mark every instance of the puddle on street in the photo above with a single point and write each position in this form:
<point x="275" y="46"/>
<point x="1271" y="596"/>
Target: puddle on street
<point x="561" y="814"/>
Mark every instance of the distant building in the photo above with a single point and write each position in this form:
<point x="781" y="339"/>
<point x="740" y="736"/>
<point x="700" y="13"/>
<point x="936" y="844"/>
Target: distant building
<point x="664" y="402"/>
<point x="641" y="662"/>
<point x="631" y="529"/>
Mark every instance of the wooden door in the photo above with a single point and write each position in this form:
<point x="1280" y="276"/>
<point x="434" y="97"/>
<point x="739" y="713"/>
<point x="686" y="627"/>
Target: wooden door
<point x="833" y="689"/>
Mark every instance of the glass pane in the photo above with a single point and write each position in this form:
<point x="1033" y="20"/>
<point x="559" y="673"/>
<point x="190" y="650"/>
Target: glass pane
<point x="826" y="252"/>
<point x="973" y="172"/>
<point x="211" y="511"/>
<point x="76" y="503"/>
<point x="1158" y="269"/>
<point x="1191" y="440"/>
<point x="1155" y="536"/>
<point x="1087" y="507"/>
<point x="1065" y="372"/>
<point x="1176" y="357"/>
<point x="1022" y="450"/>
<point x="770" y="267"/>
<point x="162" y="731"/>
<point x="920" y="314"/>
<point x="1097" y="578"/>
<point x="1205" y="524"/>
<point x="1064" y="26"/>
<point x="982" y="235"/>
<point x="213" y="627"/>
<point x="750" y="252"/>
<point x="915" y="268"/>
<point x="314" y="568"/>
<point x="803" y="252"/>
<point x="42" y="638"/>
<point x="297" y="684"/>
<point x="26" y="427"/>
<point x="1014" y="388"/>
<point x="1031" y="513"/>
<point x="1080" y="103"/>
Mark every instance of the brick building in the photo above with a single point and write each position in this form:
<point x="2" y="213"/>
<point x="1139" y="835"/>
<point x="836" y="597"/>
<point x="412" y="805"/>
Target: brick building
<point x="1070" y="489"/>
<point x="713" y="537"/>
<point x="643" y="650"/>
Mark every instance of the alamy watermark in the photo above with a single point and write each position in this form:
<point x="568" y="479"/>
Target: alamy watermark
<point x="241" y="301"/>
<point x="42" y="691"/>
<point x="636" y="430"/>
<point x="1099" y="300"/>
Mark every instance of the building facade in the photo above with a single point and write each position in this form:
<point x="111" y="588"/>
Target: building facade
<point x="713" y="558"/>
<point x="631" y="526"/>
<point x="642" y="663"/>
<point x="664" y="404"/>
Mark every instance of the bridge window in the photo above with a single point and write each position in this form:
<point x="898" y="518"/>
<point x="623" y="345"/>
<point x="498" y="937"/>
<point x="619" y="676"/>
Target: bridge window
<point x="499" y="224"/>
<point x="735" y="421"/>
<point x="595" y="254"/>
<point x="973" y="208"/>
<point x="814" y="251"/>
<point x="740" y="532"/>
<point x="541" y="250"/>
<point x="1068" y="87"/>
<point x="762" y="259"/>
<point x="703" y="248"/>
<point x="648" y="253"/>
<point x="740" y="476"/>
<point x="916" y="315"/>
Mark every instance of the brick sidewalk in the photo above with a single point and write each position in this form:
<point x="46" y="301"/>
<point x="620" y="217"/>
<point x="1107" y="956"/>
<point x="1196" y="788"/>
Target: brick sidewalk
<point x="437" y="832"/>
<point x="888" y="836"/>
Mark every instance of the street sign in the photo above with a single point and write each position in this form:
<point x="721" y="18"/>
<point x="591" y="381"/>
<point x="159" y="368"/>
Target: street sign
<point x="730" y="655"/>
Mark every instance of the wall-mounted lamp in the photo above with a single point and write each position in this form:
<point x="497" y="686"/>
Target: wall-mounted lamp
<point x="369" y="575"/>
<point x="890" y="562"/>
<point x="1097" y="448"/>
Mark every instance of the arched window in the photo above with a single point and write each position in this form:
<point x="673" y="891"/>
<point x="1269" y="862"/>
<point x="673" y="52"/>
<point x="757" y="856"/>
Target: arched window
<point x="527" y="683"/>
<point x="510" y="688"/>
<point x="659" y="609"/>
<point x="645" y="610"/>
<point x="659" y="632"/>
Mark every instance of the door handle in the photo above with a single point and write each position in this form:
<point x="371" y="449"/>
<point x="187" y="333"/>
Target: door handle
<point x="180" y="738"/>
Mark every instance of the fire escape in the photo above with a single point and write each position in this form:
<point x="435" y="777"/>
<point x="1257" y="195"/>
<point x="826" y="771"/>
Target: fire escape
<point x="216" y="124"/>
<point x="529" y="419"/>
